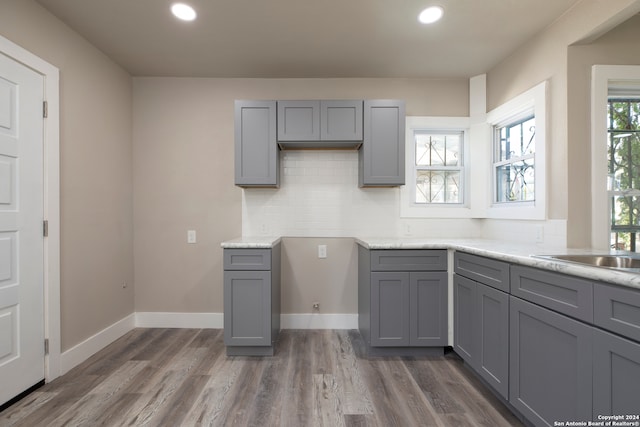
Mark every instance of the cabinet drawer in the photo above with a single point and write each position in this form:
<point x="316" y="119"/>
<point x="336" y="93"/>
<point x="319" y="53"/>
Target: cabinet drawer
<point x="247" y="259"/>
<point x="484" y="270"/>
<point x="566" y="294"/>
<point x="617" y="309"/>
<point x="408" y="260"/>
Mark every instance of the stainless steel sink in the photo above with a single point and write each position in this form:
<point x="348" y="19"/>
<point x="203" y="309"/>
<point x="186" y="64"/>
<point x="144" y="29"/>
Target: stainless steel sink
<point x="608" y="261"/>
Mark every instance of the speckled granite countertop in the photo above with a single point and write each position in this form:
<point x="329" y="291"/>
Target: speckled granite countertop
<point x="251" y="243"/>
<point x="513" y="252"/>
<point x="518" y="253"/>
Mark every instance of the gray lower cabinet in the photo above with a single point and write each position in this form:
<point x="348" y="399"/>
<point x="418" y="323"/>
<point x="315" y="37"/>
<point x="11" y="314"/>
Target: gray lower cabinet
<point x="409" y="309"/>
<point x="402" y="310"/>
<point x="550" y="365"/>
<point x="251" y="301"/>
<point x="492" y="350"/>
<point x="382" y="153"/>
<point x="557" y="347"/>
<point x="464" y="318"/>
<point x="481" y="330"/>
<point x="257" y="161"/>
<point x="616" y="380"/>
<point x="616" y="352"/>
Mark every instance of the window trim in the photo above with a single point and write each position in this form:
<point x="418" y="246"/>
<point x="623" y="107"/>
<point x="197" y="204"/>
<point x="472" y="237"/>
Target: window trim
<point x="408" y="207"/>
<point x="533" y="102"/>
<point x="603" y="77"/>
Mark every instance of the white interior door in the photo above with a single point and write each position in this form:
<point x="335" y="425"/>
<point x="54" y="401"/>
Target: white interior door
<point x="21" y="236"/>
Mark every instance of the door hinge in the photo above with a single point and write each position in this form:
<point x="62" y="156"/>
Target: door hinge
<point x="45" y="228"/>
<point x="45" y="109"/>
<point x="46" y="346"/>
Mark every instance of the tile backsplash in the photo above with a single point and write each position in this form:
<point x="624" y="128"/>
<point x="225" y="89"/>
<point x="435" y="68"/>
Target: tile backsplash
<point x="319" y="197"/>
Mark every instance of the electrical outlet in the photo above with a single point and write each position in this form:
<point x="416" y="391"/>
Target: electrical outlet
<point x="322" y="251"/>
<point x="316" y="306"/>
<point x="539" y="234"/>
<point x="191" y="236"/>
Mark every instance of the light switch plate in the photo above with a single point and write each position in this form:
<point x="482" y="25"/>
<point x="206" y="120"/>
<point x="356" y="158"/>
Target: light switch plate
<point x="191" y="236"/>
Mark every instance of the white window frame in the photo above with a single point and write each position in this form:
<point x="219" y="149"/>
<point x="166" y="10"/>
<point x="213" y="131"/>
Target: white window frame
<point x="408" y="207"/>
<point x="530" y="103"/>
<point x="602" y="77"/>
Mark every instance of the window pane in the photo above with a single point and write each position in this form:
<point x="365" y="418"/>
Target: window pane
<point x="516" y="140"/>
<point x="515" y="182"/>
<point x="438" y="187"/>
<point x="624" y="115"/>
<point x="438" y="149"/>
<point x="624" y="172"/>
<point x="625" y="213"/>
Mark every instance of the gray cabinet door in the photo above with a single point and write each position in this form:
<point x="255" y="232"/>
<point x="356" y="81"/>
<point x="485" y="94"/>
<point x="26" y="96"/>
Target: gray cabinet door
<point x="247" y="308"/>
<point x="492" y="355"/>
<point x="483" y="270"/>
<point x="298" y="120"/>
<point x="550" y="377"/>
<point x="464" y="318"/>
<point x="428" y="310"/>
<point x="389" y="309"/>
<point x="616" y="381"/>
<point x="617" y="309"/>
<point x="568" y="295"/>
<point x="382" y="152"/>
<point x="256" y="149"/>
<point x="341" y="120"/>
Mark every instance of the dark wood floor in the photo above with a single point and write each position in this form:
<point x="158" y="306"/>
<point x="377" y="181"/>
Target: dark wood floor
<point x="182" y="377"/>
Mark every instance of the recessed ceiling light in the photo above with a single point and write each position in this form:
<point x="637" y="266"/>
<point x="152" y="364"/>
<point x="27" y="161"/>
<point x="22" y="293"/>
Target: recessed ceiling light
<point x="431" y="15"/>
<point x="183" y="11"/>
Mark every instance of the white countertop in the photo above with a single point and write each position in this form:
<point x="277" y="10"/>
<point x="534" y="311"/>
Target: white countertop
<point x="513" y="252"/>
<point x="251" y="243"/>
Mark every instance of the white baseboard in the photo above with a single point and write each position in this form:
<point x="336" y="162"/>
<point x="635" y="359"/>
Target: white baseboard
<point x="87" y="348"/>
<point x="318" y="321"/>
<point x="179" y="320"/>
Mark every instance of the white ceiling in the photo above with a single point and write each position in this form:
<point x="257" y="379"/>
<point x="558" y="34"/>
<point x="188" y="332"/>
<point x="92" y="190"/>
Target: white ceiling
<point x="308" y="38"/>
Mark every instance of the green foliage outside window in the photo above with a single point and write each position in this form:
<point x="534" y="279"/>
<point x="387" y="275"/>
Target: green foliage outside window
<point x="624" y="171"/>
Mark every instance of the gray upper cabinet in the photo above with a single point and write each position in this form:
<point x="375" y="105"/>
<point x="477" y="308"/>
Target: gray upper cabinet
<point x="320" y="124"/>
<point x="341" y="120"/>
<point x="298" y="120"/>
<point x="256" y="150"/>
<point x="382" y="153"/>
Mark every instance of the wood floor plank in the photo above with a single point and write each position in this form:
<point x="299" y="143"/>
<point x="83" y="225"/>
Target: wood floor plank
<point x="183" y="377"/>
<point x="356" y="398"/>
<point x="327" y="407"/>
<point x="434" y="389"/>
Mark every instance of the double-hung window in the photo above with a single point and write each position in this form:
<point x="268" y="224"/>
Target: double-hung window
<point x="518" y="173"/>
<point x="514" y="160"/>
<point x="438" y="167"/>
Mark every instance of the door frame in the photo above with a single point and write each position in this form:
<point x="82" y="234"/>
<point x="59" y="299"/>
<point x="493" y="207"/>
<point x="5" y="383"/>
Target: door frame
<point x="51" y="202"/>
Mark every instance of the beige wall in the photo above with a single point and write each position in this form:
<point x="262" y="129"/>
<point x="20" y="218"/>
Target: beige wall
<point x="545" y="58"/>
<point x="95" y="170"/>
<point x="183" y="179"/>
<point x="330" y="281"/>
